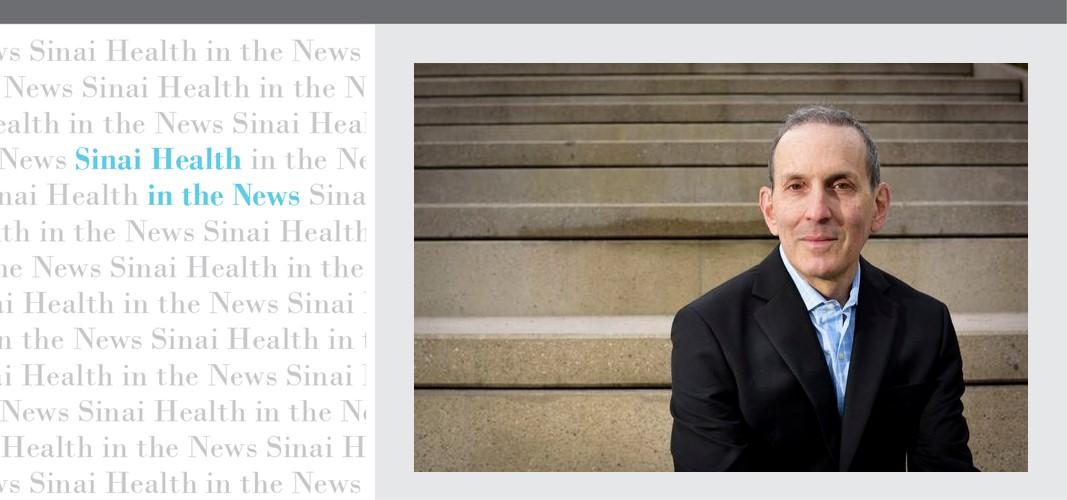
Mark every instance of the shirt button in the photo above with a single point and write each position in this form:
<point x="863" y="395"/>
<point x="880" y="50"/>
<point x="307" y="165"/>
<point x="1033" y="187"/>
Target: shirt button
<point x="841" y="356"/>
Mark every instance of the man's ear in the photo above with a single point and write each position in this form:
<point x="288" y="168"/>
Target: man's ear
<point x="767" y="207"/>
<point x="882" y="197"/>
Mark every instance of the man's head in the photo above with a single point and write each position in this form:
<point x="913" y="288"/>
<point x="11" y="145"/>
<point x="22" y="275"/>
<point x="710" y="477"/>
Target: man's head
<point x="829" y="116"/>
<point x="825" y="197"/>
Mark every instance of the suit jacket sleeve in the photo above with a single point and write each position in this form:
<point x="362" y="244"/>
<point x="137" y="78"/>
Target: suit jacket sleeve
<point x="709" y="433"/>
<point x="941" y="441"/>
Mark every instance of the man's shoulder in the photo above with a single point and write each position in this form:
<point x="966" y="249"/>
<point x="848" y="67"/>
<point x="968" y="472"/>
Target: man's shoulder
<point x="722" y="310"/>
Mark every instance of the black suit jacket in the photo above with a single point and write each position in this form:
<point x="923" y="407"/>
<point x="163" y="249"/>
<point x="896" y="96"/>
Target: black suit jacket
<point x="751" y="390"/>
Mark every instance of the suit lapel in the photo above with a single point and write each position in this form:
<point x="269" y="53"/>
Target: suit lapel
<point x="876" y="319"/>
<point x="785" y="321"/>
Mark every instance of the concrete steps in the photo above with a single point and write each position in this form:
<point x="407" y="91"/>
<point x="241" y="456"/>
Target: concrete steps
<point x="424" y="70"/>
<point x="641" y="277"/>
<point x="629" y="430"/>
<point x="710" y="112"/>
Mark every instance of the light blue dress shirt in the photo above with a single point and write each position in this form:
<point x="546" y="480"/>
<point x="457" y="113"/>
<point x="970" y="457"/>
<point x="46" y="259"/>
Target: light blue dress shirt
<point x="835" y="324"/>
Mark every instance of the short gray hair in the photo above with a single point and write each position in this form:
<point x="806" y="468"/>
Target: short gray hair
<point x="828" y="115"/>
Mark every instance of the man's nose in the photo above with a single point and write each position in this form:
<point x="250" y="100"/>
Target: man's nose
<point x="818" y="206"/>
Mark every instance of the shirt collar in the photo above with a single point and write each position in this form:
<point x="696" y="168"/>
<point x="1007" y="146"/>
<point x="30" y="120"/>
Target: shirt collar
<point x="812" y="298"/>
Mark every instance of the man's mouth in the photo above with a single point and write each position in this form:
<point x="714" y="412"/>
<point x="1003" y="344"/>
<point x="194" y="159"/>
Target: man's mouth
<point x="818" y="241"/>
<point x="819" y="238"/>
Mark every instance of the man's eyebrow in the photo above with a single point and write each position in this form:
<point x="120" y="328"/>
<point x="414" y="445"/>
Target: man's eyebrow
<point x="829" y="179"/>
<point x="842" y="175"/>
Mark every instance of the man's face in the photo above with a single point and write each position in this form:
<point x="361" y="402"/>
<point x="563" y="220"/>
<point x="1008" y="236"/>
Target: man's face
<point x="822" y="207"/>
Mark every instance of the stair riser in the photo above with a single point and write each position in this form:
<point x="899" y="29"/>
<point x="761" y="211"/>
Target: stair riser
<point x="678" y="221"/>
<point x="696" y="132"/>
<point x="710" y="113"/>
<point x="696" y="153"/>
<point x="694" y="185"/>
<point x="522" y="278"/>
<point x="462" y="430"/>
<point x="699" y="85"/>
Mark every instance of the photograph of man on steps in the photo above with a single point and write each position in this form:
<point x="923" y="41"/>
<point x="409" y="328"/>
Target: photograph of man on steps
<point x="565" y="212"/>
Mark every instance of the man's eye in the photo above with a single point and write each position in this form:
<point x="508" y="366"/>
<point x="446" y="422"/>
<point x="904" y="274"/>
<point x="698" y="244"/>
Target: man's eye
<point x="795" y="186"/>
<point x="843" y="186"/>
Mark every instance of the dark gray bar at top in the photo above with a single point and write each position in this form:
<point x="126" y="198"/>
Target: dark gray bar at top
<point x="536" y="11"/>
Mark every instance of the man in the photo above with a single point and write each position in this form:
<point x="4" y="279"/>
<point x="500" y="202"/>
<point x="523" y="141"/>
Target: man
<point x="815" y="359"/>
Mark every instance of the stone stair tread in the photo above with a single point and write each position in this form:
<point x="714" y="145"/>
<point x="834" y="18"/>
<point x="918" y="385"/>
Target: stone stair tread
<point x="702" y="131"/>
<point x="634" y="351"/>
<point x="722" y="142"/>
<point x="694" y="204"/>
<point x="702" y="112"/>
<point x="709" y="77"/>
<point x="647" y="326"/>
<point x="779" y="98"/>
<point x="444" y="69"/>
<point x="710" y="84"/>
